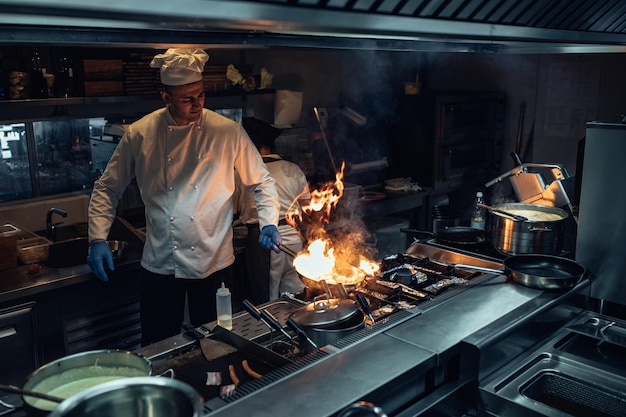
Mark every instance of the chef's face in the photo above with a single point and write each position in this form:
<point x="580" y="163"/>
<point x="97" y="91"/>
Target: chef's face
<point x="186" y="102"/>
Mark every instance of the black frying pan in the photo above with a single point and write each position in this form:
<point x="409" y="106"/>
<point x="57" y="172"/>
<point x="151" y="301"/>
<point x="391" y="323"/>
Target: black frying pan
<point x="544" y="272"/>
<point x="461" y="235"/>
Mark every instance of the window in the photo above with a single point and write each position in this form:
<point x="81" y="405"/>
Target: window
<point x="14" y="166"/>
<point x="49" y="157"/>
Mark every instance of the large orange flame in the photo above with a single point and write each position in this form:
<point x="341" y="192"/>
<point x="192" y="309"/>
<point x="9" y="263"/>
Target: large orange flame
<point x="319" y="263"/>
<point x="338" y="260"/>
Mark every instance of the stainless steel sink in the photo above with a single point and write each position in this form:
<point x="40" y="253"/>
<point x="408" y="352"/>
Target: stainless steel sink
<point x="66" y="232"/>
<point x="69" y="247"/>
<point x="572" y="374"/>
<point x="554" y="386"/>
<point x="573" y="395"/>
<point x="67" y="253"/>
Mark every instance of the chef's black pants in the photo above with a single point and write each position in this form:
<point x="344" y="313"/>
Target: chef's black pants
<point x="257" y="280"/>
<point x="162" y="302"/>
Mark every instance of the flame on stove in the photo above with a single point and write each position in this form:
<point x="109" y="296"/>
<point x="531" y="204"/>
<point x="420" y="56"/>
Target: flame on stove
<point x="330" y="256"/>
<point x="316" y="262"/>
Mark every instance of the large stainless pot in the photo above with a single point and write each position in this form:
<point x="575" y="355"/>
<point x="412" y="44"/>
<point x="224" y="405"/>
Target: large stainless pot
<point x="542" y="233"/>
<point x="137" y="397"/>
<point x="72" y="374"/>
<point x="327" y="320"/>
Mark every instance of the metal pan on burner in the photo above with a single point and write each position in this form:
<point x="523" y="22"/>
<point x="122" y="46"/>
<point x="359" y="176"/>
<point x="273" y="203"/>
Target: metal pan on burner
<point x="460" y="235"/>
<point x="544" y="272"/>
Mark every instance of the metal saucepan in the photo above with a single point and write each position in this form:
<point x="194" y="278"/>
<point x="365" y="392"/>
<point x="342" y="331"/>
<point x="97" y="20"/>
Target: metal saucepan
<point x="69" y="375"/>
<point x="461" y="235"/>
<point x="544" y="272"/>
<point x="327" y="320"/>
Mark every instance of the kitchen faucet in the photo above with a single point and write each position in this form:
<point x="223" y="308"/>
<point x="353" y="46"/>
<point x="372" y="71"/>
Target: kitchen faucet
<point x="51" y="228"/>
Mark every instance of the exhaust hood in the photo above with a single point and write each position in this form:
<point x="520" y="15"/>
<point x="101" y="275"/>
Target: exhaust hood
<point x="497" y="26"/>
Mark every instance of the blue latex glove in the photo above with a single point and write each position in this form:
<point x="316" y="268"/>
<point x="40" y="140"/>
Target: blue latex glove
<point x="99" y="254"/>
<point x="270" y="238"/>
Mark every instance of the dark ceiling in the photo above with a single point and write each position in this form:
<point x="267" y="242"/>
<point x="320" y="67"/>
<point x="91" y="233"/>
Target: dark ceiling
<point x="496" y="26"/>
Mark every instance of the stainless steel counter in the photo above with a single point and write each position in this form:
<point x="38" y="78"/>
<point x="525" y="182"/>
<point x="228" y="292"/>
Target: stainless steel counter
<point x="451" y="321"/>
<point x="17" y="283"/>
<point x="336" y="381"/>
<point x="399" y="356"/>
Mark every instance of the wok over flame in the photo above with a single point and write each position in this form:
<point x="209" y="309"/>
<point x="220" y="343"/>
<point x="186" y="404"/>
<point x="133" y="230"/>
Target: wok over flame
<point x="335" y="259"/>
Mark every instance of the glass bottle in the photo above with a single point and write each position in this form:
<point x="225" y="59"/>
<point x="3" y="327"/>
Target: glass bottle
<point x="479" y="215"/>
<point x="224" y="308"/>
<point x="38" y="86"/>
<point x="65" y="77"/>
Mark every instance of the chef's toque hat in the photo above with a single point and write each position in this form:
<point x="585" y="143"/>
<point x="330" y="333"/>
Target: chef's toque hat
<point x="180" y="66"/>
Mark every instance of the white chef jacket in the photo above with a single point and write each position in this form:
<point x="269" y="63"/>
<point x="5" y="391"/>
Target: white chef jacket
<point x="186" y="178"/>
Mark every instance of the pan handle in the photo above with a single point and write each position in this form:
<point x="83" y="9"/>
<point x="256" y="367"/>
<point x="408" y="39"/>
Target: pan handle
<point x="539" y="229"/>
<point x="360" y="297"/>
<point x="415" y="234"/>
<point x="478" y="268"/>
<point x="28" y="393"/>
<point x="301" y="333"/>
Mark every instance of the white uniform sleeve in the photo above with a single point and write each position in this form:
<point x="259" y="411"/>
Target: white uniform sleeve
<point x="255" y="176"/>
<point x="108" y="190"/>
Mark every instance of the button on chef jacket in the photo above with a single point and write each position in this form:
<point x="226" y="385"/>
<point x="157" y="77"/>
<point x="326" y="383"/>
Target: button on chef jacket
<point x="186" y="178"/>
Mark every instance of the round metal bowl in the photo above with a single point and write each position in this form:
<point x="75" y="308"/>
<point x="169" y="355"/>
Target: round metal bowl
<point x="117" y="248"/>
<point x="137" y="397"/>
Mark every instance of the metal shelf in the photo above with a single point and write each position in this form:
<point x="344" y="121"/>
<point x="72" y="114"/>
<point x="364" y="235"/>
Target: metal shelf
<point x="36" y="109"/>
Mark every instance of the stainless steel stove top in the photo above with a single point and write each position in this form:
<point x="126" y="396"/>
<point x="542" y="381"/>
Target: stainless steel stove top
<point x="468" y="254"/>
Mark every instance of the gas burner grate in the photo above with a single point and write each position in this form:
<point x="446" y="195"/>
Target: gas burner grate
<point x="406" y="281"/>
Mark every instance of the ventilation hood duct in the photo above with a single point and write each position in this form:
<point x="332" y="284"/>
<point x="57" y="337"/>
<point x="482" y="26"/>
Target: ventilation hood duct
<point x="498" y="26"/>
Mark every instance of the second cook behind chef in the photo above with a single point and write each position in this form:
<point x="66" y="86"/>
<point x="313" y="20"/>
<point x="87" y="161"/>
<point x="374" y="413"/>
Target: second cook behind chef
<point x="273" y="273"/>
<point x="183" y="157"/>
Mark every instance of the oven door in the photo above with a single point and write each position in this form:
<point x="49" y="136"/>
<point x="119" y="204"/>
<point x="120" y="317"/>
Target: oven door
<point x="18" y="343"/>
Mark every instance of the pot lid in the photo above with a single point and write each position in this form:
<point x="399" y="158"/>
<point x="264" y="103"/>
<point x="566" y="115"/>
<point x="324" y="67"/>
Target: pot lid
<point x="325" y="311"/>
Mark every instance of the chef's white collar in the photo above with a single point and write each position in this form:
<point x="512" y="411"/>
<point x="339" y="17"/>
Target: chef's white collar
<point x="172" y="122"/>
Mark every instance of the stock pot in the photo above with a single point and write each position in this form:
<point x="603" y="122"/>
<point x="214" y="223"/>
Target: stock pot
<point x="541" y="233"/>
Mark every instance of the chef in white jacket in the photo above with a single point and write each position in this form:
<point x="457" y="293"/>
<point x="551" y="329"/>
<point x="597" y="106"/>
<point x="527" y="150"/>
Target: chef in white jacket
<point x="183" y="157"/>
